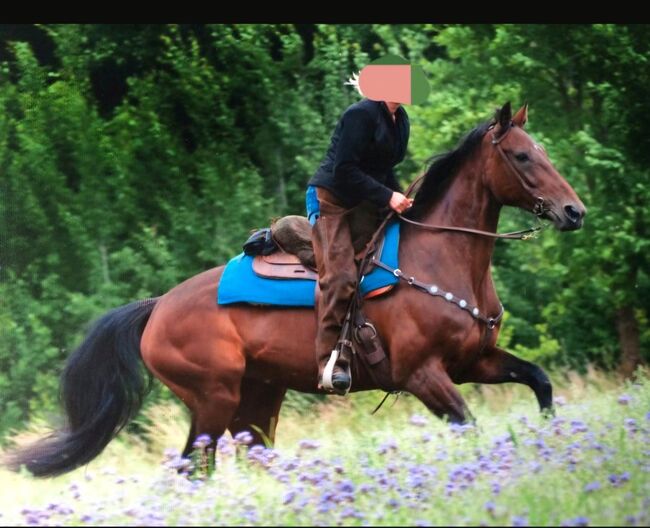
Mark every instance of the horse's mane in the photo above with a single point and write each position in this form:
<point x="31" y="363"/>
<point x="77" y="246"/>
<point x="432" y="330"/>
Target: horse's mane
<point x="442" y="169"/>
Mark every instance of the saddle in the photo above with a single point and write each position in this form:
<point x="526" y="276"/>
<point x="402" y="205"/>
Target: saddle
<point x="293" y="257"/>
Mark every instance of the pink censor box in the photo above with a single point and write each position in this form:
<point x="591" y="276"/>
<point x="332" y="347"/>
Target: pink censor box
<point x="386" y="83"/>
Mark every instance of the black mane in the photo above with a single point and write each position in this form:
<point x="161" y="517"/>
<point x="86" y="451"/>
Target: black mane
<point x="442" y="169"/>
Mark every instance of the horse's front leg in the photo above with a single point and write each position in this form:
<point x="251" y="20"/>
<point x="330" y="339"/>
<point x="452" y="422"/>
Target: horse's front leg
<point x="498" y="366"/>
<point x="433" y="386"/>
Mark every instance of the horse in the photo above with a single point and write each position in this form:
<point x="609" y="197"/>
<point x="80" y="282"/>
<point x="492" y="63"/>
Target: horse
<point x="232" y="365"/>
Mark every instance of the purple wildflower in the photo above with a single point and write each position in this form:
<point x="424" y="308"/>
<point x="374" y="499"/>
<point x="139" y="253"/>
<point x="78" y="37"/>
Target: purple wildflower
<point x="624" y="399"/>
<point x="393" y="503"/>
<point x="225" y="446"/>
<point x="243" y="438"/>
<point x="559" y="401"/>
<point x="389" y="445"/>
<point x="490" y="507"/>
<point x="519" y="520"/>
<point x="461" y="429"/>
<point x="180" y="464"/>
<point x="418" y="420"/>
<point x="496" y="488"/>
<point x="171" y="454"/>
<point x="290" y="465"/>
<point x="576" y="521"/>
<point x="366" y="488"/>
<point x="74" y="490"/>
<point x="631" y="425"/>
<point x="592" y="486"/>
<point x="202" y="441"/>
<point x="346" y="486"/>
<point x="450" y="487"/>
<point x="289" y="497"/>
<point x="308" y="444"/>
<point x="578" y="426"/>
<point x="351" y="512"/>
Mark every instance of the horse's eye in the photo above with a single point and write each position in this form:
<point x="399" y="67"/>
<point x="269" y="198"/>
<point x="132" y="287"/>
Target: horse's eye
<point x="522" y="156"/>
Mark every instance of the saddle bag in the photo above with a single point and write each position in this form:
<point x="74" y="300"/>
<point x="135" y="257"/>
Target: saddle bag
<point x="260" y="243"/>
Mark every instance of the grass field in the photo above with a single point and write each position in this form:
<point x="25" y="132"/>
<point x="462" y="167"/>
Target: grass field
<point x="334" y="464"/>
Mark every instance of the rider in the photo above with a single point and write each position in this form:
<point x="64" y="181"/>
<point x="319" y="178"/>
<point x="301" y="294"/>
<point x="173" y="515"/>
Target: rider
<point x="356" y="179"/>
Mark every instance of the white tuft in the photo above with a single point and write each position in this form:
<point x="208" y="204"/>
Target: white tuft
<point x="354" y="81"/>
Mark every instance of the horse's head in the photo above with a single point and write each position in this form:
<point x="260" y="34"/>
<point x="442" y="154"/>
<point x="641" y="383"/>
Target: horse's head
<point x="520" y="174"/>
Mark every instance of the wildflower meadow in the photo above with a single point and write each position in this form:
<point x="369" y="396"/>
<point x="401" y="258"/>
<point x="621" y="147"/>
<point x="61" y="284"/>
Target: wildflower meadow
<point x="338" y="465"/>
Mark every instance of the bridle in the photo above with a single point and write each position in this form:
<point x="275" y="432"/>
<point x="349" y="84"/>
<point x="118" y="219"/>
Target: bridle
<point x="538" y="210"/>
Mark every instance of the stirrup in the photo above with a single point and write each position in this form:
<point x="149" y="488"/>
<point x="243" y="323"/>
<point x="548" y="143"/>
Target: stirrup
<point x="326" y="379"/>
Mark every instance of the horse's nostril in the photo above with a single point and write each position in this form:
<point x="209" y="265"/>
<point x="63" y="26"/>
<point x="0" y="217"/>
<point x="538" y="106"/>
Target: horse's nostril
<point x="573" y="213"/>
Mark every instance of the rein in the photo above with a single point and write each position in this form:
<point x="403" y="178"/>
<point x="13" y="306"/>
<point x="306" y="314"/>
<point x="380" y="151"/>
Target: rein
<point x="514" y="235"/>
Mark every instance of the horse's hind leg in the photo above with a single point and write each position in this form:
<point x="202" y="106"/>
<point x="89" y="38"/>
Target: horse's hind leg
<point x="206" y="376"/>
<point x="258" y="410"/>
<point x="432" y="385"/>
<point x="187" y="451"/>
<point x="498" y="366"/>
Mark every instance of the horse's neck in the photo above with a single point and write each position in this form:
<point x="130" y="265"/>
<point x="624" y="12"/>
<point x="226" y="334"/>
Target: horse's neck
<point x="458" y="259"/>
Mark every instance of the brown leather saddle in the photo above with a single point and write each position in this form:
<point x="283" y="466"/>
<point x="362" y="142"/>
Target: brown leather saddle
<point x="281" y="265"/>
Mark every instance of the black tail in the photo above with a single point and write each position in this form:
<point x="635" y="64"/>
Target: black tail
<point x="103" y="386"/>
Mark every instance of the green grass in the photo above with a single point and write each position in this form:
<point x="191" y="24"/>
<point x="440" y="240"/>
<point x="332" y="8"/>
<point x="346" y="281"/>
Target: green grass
<point x="591" y="464"/>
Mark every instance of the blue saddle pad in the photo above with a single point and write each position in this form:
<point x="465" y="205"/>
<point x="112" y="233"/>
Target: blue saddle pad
<point x="239" y="283"/>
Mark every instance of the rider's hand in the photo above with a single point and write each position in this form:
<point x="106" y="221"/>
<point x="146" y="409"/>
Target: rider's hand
<point x="399" y="202"/>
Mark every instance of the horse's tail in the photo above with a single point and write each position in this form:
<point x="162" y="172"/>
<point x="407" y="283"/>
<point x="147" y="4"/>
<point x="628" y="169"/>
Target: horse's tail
<point x="103" y="386"/>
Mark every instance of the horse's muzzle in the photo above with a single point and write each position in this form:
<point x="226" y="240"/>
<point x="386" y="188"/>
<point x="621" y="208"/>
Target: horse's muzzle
<point x="570" y="217"/>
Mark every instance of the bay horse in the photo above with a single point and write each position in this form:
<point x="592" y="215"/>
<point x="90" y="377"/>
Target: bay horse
<point x="232" y="365"/>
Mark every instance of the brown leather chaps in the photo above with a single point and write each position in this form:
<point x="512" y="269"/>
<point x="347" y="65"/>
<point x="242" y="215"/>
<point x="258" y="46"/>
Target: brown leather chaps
<point x="337" y="236"/>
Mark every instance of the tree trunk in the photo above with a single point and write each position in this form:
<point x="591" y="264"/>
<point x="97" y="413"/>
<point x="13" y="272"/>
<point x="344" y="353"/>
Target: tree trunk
<point x="628" y="337"/>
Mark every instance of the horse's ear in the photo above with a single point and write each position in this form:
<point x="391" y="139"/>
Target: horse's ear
<point x="521" y="117"/>
<point x="504" y="116"/>
<point x="503" y="119"/>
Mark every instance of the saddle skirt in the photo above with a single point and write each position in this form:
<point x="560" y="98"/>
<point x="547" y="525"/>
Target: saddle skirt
<point x="288" y="278"/>
<point x="281" y="265"/>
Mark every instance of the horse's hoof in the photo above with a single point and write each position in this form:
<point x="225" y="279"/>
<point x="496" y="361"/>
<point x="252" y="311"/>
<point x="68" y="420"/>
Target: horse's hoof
<point x="548" y="413"/>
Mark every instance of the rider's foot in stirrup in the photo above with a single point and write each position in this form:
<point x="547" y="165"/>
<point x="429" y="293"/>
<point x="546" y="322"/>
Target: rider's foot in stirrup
<point x="340" y="380"/>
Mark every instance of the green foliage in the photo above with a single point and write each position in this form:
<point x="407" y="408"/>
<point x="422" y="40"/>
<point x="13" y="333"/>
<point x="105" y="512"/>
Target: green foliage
<point x="135" y="156"/>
